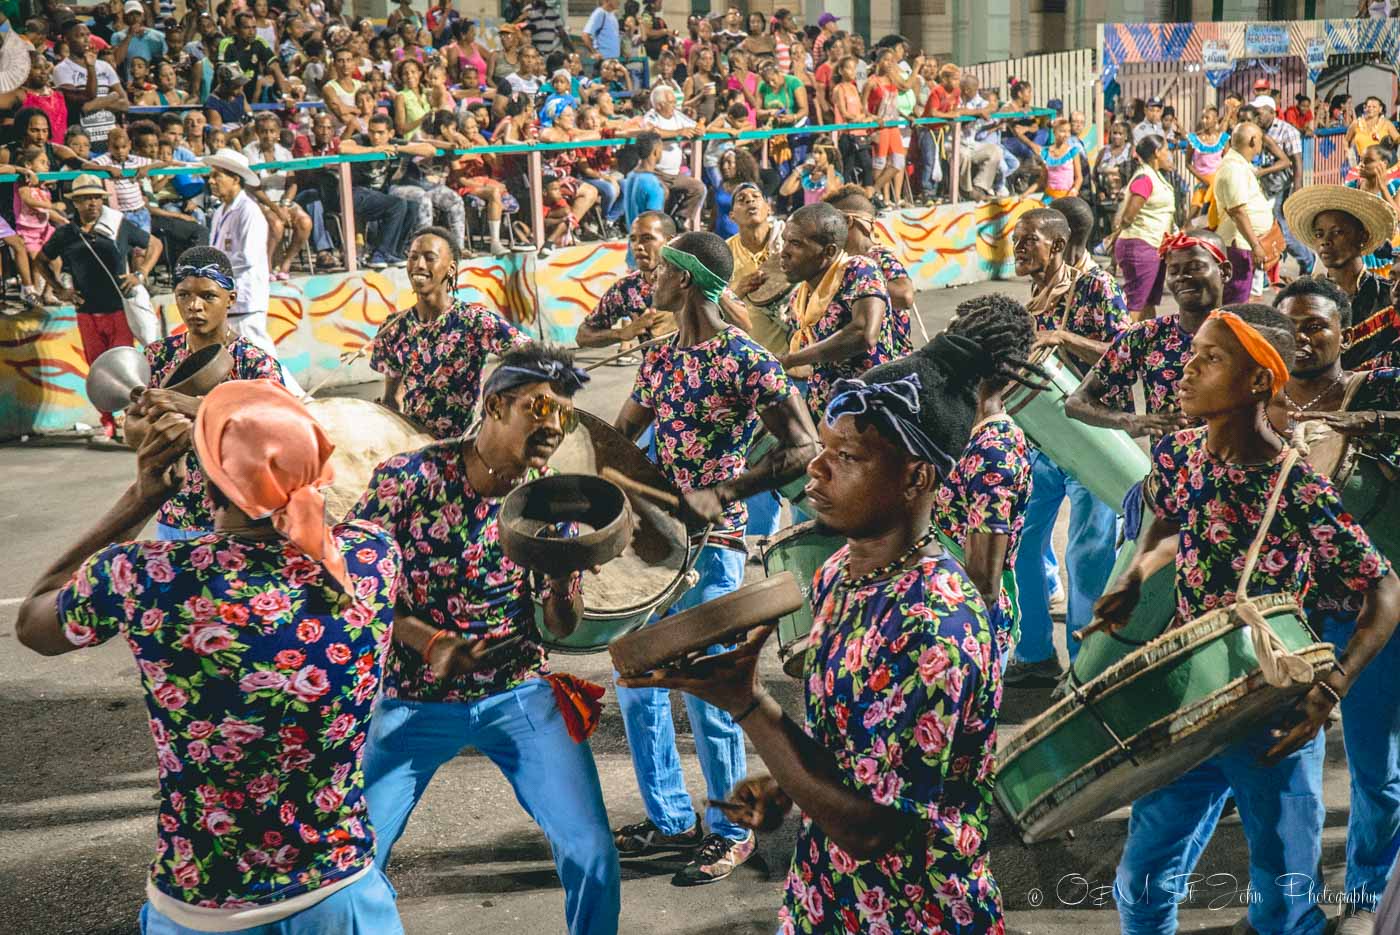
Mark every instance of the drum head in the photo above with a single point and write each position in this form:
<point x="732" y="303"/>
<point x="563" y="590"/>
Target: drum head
<point x="660" y="546"/>
<point x="364" y="434"/>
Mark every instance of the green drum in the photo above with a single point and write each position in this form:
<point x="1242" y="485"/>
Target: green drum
<point x="794" y="491"/>
<point x="651" y="573"/>
<point x="802" y="550"/>
<point x="1107" y="461"/>
<point x="1160" y="711"/>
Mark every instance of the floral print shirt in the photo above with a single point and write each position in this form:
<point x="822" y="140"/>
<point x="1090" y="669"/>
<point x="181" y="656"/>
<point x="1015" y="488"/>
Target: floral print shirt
<point x="191" y="507"/>
<point x="987" y="491"/>
<point x="861" y="280"/>
<point x="1219" y="507"/>
<point x="900" y="322"/>
<point x="1153" y="351"/>
<point x="1380" y="391"/>
<point x="1097" y="308"/>
<point x="903" y="688"/>
<point x="259" y="676"/>
<point x="629" y="297"/>
<point x="456" y="575"/>
<point x="707" y="400"/>
<point x="440" y="362"/>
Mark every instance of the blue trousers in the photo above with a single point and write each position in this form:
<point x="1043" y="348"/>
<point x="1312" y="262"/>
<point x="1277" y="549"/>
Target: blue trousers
<point x="607" y="197"/>
<point x="1282" y="813"/>
<point x="1293" y="245"/>
<point x="1371" y="732"/>
<point x="365" y="907"/>
<point x="166" y="533"/>
<point x="719" y="742"/>
<point x="1089" y="555"/>
<point x="555" y="781"/>
<point x="765" y="513"/>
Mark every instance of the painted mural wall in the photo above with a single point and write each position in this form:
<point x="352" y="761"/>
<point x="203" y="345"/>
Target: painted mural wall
<point x="320" y="322"/>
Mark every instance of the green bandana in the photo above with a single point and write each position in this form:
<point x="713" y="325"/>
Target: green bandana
<point x="709" y="284"/>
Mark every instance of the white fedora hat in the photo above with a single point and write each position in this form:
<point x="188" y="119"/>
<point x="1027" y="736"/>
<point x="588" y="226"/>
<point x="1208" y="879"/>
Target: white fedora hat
<point x="230" y="160"/>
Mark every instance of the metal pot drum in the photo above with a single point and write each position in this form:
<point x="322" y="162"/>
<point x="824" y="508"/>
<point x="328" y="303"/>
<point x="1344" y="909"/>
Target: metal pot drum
<point x="801" y="550"/>
<point x="364" y="434"/>
<point x="1159" y="712"/>
<point x="532" y="512"/>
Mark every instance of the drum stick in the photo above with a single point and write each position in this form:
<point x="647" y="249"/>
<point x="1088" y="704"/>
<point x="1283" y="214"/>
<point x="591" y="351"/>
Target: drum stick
<point x="345" y="362"/>
<point x="661" y="498"/>
<point x="637" y="347"/>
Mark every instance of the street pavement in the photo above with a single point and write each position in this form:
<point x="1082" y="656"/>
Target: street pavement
<point x="77" y="776"/>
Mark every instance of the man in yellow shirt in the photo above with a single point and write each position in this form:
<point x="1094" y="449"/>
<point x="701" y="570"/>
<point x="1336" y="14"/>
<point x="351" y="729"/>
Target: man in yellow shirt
<point x="1245" y="216"/>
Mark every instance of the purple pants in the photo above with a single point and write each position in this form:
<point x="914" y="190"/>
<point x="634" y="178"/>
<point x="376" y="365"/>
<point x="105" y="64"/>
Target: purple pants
<point x="1241" y="275"/>
<point x="1143" y="272"/>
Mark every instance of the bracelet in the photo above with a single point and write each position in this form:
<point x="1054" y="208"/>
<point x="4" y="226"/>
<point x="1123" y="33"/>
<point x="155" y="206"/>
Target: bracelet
<point x="428" y="650"/>
<point x="758" y="699"/>
<point x="1336" y="698"/>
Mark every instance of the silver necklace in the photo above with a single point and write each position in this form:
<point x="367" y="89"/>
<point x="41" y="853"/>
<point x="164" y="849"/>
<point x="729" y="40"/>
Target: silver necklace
<point x="1312" y="402"/>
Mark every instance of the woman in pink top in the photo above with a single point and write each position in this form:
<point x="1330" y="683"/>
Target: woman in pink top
<point x="38" y="92"/>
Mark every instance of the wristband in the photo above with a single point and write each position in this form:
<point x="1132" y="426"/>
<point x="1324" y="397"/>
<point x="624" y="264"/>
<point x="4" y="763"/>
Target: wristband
<point x="758" y="699"/>
<point x="428" y="650"/>
<point x="1322" y="684"/>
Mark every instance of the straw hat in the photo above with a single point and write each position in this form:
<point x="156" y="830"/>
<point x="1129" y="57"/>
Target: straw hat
<point x="230" y="160"/>
<point x="86" y="184"/>
<point x="1375" y="214"/>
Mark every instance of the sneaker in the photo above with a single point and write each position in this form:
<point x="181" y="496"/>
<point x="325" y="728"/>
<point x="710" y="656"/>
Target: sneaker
<point x="1043" y="674"/>
<point x="1357" y="922"/>
<point x="645" y="838"/>
<point x="715" y="860"/>
<point x="376" y="261"/>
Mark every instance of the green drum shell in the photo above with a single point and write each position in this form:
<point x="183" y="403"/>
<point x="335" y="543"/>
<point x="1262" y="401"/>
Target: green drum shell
<point x="794" y="491"/>
<point x="801" y="550"/>
<point x="1107" y="461"/>
<point x="1372" y="499"/>
<point x="1173" y="704"/>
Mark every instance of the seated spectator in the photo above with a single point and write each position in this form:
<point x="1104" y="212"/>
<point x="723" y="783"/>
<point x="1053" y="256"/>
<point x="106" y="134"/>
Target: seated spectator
<point x="597" y="165"/>
<point x="318" y="188"/>
<point x="736" y="168"/>
<point x="177" y="228"/>
<point x="166" y="91"/>
<point x="227" y="107"/>
<point x="438" y="90"/>
<point x="561" y="163"/>
<point x="277" y="197"/>
<point x="671" y="126"/>
<point x="124" y="192"/>
<point x="530" y="78"/>
<point x="470" y="176"/>
<point x="410" y="102"/>
<point x="814" y="177"/>
<point x="370" y="187"/>
<point x="252" y="55"/>
<point x="642" y="188"/>
<point x="733" y="122"/>
<point x="560" y="97"/>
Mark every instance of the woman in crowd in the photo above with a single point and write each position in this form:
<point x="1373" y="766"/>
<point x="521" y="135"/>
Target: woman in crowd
<point x="882" y="98"/>
<point x="815" y="177"/>
<point x="411" y="104"/>
<point x="736" y="167"/>
<point x="1147" y="218"/>
<point x="849" y="105"/>
<point x="507" y="62"/>
<point x="567" y="165"/>
<point x="702" y="83"/>
<point x="1373" y="176"/>
<point x="471" y="177"/>
<point x="1114" y="160"/>
<point x="1370" y="128"/>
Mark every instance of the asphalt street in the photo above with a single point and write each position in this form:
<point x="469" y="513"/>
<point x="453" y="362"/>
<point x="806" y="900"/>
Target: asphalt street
<point x="77" y="776"/>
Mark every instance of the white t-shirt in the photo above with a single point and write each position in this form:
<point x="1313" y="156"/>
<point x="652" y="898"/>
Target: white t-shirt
<point x="69" y="73"/>
<point x="521" y="85"/>
<point x="672" y="152"/>
<point x="274" y="181"/>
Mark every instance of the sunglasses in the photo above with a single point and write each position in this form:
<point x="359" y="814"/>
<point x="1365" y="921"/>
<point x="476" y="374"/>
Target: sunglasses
<point x="542" y="407"/>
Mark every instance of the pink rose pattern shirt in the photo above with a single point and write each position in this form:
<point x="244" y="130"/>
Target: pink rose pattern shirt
<point x="191" y="507"/>
<point x="987" y="491"/>
<point x="900" y="322"/>
<point x="259" y="675"/>
<point x="629" y="297"/>
<point x="862" y="280"/>
<point x="456" y="576"/>
<point x="707" y="401"/>
<point x="1153" y="351"/>
<point x="1097" y="309"/>
<point x="440" y="362"/>
<point x="904" y="689"/>
<point x="1220" y="506"/>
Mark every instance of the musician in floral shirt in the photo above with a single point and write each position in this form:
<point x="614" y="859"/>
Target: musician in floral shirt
<point x="435" y="352"/>
<point x="841" y="305"/>
<point x="467" y="668"/>
<point x="629" y="298"/>
<point x="860" y="213"/>
<point x="1209" y="491"/>
<point x="258" y="647"/>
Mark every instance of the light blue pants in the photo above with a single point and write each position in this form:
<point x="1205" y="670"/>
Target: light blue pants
<point x="166" y="533"/>
<point x="1282" y="813"/>
<point x="555" y="781"/>
<point x="1371" y="732"/>
<point x="719" y="742"/>
<point x="365" y="907"/>
<point x="608" y="199"/>
<point x="141" y="218"/>
<point x="765" y="513"/>
<point x="1089" y="555"/>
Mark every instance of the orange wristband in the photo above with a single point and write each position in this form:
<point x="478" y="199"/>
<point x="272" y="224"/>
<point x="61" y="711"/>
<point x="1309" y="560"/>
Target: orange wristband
<point x="428" y="650"/>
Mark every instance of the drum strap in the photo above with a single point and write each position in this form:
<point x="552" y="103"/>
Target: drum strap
<point x="1281" y="667"/>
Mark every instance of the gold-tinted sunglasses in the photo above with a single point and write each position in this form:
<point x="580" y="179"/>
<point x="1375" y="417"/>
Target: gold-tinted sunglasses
<point x="544" y="406"/>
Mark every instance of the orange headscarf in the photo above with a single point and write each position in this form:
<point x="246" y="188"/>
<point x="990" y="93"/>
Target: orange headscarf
<point x="1255" y="346"/>
<point x="257" y="443"/>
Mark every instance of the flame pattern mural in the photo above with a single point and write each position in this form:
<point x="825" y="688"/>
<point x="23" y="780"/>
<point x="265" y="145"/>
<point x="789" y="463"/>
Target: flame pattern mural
<point x="320" y="321"/>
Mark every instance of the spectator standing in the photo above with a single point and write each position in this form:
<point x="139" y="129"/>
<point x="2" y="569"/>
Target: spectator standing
<point x="673" y="126"/>
<point x="137" y="40"/>
<point x="1243" y="215"/>
<point x="848" y="104"/>
<point x="601" y="34"/>
<point x="828" y="23"/>
<point x="1146" y="220"/>
<point x="1300" y="114"/>
<point x="1279" y="179"/>
<point x="944" y="100"/>
<point x="656" y="35"/>
<point x="642" y="189"/>
<point x="1151" y="122"/>
<point x="546" y="27"/>
<point x="91" y="86"/>
<point x="1368" y="129"/>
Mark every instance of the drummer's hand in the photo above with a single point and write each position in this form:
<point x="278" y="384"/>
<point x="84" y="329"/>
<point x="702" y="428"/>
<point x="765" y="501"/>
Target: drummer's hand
<point x="1159" y="423"/>
<point x="752" y="281"/>
<point x="701" y="507"/>
<point x="1308" y="717"/>
<point x="1112" y="610"/>
<point x="159" y="471"/>
<point x="728" y="680"/>
<point x="456" y="656"/>
<point x="1052" y="338"/>
<point x="644" y="323"/>
<point x="757" y="802"/>
<point x="156" y="401"/>
<point x="1346" y="423"/>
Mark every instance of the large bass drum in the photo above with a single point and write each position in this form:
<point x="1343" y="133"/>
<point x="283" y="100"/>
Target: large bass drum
<point x="364" y="434"/>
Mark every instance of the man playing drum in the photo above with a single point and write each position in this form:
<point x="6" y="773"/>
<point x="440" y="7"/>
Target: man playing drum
<point x="1317" y="388"/>
<point x="1209" y="492"/>
<point x="434" y="353"/>
<point x="758" y="292"/>
<point x="629" y="299"/>
<point x="841" y="308"/>
<point x="465" y="668"/>
<point x="1155" y="351"/>
<point x="893" y="765"/>
<point x="706" y="391"/>
<point x="860" y="215"/>
<point x="204" y="291"/>
<point x="259" y="647"/>
<point x="1080" y="314"/>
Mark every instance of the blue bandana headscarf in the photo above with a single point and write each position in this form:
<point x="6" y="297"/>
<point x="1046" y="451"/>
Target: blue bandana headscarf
<point x="893" y="408"/>
<point x="203" y="272"/>
<point x="568" y="378"/>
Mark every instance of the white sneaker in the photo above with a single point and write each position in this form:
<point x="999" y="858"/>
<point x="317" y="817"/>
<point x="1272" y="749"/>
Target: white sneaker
<point x="1359" y="922"/>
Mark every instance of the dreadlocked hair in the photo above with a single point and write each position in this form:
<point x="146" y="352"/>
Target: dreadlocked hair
<point x="1005" y="330"/>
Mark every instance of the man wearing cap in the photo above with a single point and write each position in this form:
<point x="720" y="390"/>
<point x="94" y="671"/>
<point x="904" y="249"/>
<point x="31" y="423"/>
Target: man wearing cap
<point x="239" y="229"/>
<point x="706" y="390"/>
<point x="137" y="40"/>
<point x="96" y="251"/>
<point x="90" y="86"/>
<point x="1278" y="178"/>
<point x="259" y="649"/>
<point x="1151" y="123"/>
<point x="601" y="34"/>
<point x="1242" y="215"/>
<point x="828" y="23"/>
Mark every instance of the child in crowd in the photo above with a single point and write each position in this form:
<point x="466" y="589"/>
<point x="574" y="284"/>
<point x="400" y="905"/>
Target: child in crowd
<point x="125" y="193"/>
<point x="35" y="215"/>
<point x="1060" y="175"/>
